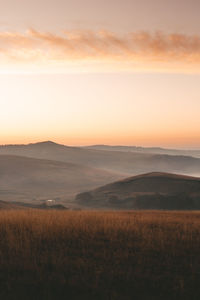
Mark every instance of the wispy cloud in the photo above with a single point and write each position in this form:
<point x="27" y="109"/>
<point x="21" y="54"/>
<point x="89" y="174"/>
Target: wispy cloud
<point x="136" y="50"/>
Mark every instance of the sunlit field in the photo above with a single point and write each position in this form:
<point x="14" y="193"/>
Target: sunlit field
<point x="99" y="255"/>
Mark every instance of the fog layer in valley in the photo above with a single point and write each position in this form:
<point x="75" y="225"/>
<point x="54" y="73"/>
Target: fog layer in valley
<point x="46" y="170"/>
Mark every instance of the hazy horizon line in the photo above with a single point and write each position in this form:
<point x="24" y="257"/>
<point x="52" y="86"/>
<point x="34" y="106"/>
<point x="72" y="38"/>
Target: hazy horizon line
<point x="106" y="144"/>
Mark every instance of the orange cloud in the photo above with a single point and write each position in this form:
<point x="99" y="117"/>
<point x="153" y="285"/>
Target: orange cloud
<point x="133" y="51"/>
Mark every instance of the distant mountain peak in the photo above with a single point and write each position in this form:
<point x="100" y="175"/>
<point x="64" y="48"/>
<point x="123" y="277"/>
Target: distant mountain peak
<point x="46" y="144"/>
<point x="49" y="142"/>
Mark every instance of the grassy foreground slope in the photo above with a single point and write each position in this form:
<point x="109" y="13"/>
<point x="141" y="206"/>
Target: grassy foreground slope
<point x="99" y="255"/>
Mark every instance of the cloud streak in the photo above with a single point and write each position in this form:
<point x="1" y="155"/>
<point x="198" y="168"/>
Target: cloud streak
<point x="133" y="51"/>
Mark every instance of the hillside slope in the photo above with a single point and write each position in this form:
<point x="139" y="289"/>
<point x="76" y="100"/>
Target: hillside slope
<point x="9" y="205"/>
<point x="23" y="178"/>
<point x="147" y="191"/>
<point x="115" y="161"/>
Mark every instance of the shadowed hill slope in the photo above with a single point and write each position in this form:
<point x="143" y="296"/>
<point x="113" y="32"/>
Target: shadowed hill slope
<point x="7" y="205"/>
<point x="147" y="191"/>
<point x="115" y="161"/>
<point x="23" y="178"/>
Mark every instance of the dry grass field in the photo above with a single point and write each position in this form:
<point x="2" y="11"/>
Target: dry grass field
<point x="99" y="255"/>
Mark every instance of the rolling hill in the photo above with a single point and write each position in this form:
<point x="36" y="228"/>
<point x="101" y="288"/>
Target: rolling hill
<point x="155" y="150"/>
<point x="132" y="163"/>
<point x="30" y="179"/>
<point x="147" y="191"/>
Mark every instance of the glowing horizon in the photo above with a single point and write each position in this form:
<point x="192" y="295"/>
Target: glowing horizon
<point x="94" y="73"/>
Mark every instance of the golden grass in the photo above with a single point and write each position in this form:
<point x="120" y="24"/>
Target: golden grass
<point x="99" y="255"/>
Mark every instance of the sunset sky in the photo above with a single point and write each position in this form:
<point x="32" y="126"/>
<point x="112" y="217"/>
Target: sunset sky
<point x="100" y="72"/>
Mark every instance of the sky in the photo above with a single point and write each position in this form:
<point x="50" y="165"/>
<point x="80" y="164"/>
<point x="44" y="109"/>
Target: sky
<point x="100" y="72"/>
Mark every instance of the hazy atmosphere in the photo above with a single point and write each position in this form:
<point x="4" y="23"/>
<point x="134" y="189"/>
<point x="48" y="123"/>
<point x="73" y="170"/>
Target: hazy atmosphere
<point x="99" y="149"/>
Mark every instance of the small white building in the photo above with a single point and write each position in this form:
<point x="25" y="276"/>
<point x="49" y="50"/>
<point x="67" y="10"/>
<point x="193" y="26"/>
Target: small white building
<point x="50" y="202"/>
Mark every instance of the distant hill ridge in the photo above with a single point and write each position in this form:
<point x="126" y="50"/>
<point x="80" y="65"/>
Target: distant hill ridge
<point x="156" y="150"/>
<point x="37" y="144"/>
<point x="123" y="162"/>
<point x="154" y="190"/>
